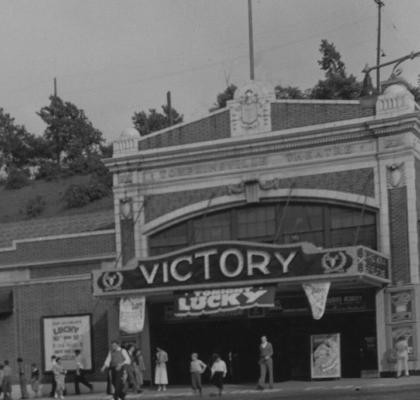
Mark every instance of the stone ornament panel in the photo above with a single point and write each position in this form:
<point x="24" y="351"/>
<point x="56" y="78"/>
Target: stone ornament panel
<point x="401" y="306"/>
<point x="395" y="175"/>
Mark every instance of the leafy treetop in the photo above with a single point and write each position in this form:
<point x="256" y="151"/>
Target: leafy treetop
<point x="154" y="121"/>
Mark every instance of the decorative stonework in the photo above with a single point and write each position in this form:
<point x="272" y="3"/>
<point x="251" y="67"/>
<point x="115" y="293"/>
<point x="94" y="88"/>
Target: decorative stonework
<point x="395" y="175"/>
<point x="250" y="111"/>
<point x="358" y="181"/>
<point x="401" y="306"/>
<point x="396" y="99"/>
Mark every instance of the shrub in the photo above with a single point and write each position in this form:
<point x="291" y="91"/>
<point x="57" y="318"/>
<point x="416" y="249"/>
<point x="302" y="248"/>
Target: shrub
<point x="48" y="170"/>
<point x="17" y="178"/>
<point x="96" y="190"/>
<point x="76" y="196"/>
<point x="35" y="206"/>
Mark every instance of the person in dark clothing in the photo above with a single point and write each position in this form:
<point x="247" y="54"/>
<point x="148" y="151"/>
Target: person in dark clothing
<point x="80" y="378"/>
<point x="22" y="379"/>
<point x="116" y="361"/>
<point x="266" y="363"/>
<point x="53" y="383"/>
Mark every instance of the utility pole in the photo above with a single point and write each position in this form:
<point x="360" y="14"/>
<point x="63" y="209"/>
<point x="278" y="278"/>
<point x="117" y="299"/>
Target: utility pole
<point x="251" y="41"/>
<point x="380" y="4"/>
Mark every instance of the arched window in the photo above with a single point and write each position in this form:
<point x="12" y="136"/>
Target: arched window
<point x="324" y="225"/>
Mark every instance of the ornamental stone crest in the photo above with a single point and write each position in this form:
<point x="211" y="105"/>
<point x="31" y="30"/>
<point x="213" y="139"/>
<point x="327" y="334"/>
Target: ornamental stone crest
<point x="250" y="110"/>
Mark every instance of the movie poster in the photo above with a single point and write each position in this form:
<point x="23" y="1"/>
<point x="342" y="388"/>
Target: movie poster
<point x="63" y="335"/>
<point x="325" y="356"/>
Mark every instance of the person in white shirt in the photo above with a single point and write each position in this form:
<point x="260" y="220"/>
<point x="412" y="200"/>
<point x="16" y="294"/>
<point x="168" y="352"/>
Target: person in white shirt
<point x="218" y="372"/>
<point x="116" y="359"/>
<point x="401" y="348"/>
<point x="79" y="377"/>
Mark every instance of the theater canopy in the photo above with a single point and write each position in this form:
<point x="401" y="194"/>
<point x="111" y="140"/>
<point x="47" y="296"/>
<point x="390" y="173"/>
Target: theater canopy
<point x="233" y="263"/>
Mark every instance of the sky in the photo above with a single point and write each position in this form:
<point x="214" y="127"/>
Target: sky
<point x="115" y="57"/>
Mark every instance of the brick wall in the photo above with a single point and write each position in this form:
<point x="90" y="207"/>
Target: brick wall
<point x="398" y="214"/>
<point x="354" y="181"/>
<point x="50" y="271"/>
<point x="214" y="127"/>
<point x="32" y="302"/>
<point x="294" y="115"/>
<point x="60" y="249"/>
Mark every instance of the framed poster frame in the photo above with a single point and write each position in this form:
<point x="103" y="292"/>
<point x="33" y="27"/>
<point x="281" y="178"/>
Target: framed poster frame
<point x="325" y="356"/>
<point x="67" y="340"/>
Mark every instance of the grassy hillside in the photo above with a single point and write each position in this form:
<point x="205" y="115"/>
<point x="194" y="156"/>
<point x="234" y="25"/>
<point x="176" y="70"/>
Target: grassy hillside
<point x="13" y="202"/>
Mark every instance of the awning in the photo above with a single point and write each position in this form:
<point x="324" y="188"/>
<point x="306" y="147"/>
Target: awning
<point x="6" y="301"/>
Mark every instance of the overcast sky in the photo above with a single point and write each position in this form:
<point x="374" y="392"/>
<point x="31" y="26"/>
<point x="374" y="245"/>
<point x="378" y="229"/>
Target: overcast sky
<point x="114" y="57"/>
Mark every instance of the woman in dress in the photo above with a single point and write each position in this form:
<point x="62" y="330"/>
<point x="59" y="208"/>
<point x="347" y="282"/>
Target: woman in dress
<point x="161" y="375"/>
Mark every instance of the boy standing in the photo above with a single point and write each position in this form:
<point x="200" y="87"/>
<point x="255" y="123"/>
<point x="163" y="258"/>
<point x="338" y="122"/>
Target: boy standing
<point x="197" y="367"/>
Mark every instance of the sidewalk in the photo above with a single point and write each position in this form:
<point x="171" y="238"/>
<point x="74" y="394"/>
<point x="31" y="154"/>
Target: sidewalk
<point x="283" y="388"/>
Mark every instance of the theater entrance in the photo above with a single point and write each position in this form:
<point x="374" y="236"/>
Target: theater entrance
<point x="236" y="337"/>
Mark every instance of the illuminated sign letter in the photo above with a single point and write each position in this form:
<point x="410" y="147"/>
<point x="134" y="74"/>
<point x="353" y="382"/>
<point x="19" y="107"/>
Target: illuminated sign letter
<point x="174" y="272"/>
<point x="239" y="263"/>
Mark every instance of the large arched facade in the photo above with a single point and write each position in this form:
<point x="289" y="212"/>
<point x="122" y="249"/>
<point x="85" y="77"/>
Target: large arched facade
<point x="326" y="180"/>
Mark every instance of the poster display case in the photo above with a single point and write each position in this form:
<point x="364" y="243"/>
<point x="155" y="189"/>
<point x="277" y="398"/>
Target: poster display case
<point x="325" y="356"/>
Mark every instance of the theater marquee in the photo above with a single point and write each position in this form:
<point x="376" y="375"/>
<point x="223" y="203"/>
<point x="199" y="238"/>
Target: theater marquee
<point x="237" y="264"/>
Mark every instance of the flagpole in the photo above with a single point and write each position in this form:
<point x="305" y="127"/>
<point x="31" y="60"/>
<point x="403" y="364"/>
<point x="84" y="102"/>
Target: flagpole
<point x="251" y="41"/>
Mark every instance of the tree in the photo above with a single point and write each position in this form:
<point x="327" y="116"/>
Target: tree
<point x="337" y="84"/>
<point x="17" y="145"/>
<point x="289" y="92"/>
<point x="224" y="97"/>
<point x="69" y="133"/>
<point x="154" y="121"/>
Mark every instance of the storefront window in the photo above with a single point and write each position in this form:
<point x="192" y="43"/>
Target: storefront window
<point x="324" y="225"/>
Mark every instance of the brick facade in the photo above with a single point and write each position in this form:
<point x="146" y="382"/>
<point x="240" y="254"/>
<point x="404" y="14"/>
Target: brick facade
<point x="21" y="332"/>
<point x="359" y="181"/>
<point x="398" y="215"/>
<point x="287" y="115"/>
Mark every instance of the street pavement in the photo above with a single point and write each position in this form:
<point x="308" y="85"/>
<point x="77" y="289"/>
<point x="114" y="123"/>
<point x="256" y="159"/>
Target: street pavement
<point x="347" y="389"/>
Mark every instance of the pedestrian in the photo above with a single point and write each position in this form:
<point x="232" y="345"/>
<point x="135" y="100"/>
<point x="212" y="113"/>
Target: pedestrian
<point x="197" y="367"/>
<point x="7" y="381"/>
<point x="1" y="377"/>
<point x="131" y="375"/>
<point x="22" y="379"/>
<point x="266" y="363"/>
<point x="60" y="378"/>
<point x="161" y="374"/>
<point x="401" y="349"/>
<point x="139" y="368"/>
<point x="53" y="383"/>
<point x="80" y="377"/>
<point x="35" y="380"/>
<point x="218" y="372"/>
<point x="116" y="360"/>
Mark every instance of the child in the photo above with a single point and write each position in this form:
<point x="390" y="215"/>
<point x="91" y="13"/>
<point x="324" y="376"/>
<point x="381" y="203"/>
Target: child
<point x="218" y="372"/>
<point x="197" y="367"/>
<point x="59" y="376"/>
<point x="35" y="379"/>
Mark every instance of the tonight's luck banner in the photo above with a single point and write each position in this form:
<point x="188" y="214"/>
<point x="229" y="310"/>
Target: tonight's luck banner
<point x="201" y="302"/>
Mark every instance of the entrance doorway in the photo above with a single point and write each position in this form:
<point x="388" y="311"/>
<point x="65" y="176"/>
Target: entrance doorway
<point x="236" y="338"/>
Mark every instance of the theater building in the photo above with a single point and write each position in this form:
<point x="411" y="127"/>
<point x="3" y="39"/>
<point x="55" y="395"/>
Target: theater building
<point x="222" y="222"/>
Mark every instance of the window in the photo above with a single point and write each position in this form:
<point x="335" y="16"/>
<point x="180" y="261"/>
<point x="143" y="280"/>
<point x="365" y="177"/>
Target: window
<point x="324" y="225"/>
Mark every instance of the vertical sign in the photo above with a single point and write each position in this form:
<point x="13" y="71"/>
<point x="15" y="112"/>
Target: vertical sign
<point x="132" y="312"/>
<point x="65" y="334"/>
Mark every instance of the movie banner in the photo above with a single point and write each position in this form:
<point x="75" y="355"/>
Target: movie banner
<point x="63" y="335"/>
<point x="317" y="294"/>
<point x="132" y="310"/>
<point x="325" y="356"/>
<point x="212" y="301"/>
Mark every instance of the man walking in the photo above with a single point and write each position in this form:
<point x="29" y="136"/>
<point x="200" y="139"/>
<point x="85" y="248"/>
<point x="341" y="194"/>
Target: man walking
<point x="116" y="360"/>
<point x="266" y="363"/>
<point x="80" y="373"/>
<point x="401" y="348"/>
<point x="22" y="379"/>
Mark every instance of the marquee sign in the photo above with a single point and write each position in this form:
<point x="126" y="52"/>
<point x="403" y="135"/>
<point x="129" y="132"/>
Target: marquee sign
<point x="238" y="262"/>
<point x="202" y="302"/>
